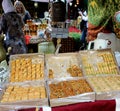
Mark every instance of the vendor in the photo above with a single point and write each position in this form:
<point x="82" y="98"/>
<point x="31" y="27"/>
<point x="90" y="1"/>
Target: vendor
<point x="11" y="25"/>
<point x="21" y="10"/>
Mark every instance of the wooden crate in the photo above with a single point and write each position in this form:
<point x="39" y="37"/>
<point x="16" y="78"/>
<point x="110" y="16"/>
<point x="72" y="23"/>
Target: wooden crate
<point x="68" y="44"/>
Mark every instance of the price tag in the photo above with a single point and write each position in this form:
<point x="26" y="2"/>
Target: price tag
<point x="46" y="108"/>
<point x="3" y="72"/>
<point x="117" y="104"/>
<point x="59" y="33"/>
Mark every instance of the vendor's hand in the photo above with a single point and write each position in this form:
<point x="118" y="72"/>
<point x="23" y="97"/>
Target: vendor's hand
<point x="9" y="49"/>
<point x="2" y="36"/>
<point x="80" y="12"/>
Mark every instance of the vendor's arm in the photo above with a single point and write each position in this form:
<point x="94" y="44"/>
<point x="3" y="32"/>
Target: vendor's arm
<point x="2" y="24"/>
<point x="84" y="16"/>
<point x="27" y="16"/>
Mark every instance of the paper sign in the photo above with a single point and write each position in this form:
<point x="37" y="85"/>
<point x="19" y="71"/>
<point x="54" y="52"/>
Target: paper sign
<point x="59" y="33"/>
<point x="46" y="108"/>
<point x="117" y="104"/>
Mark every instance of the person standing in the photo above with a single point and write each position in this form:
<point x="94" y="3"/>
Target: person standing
<point x="21" y="10"/>
<point x="11" y="24"/>
<point x="83" y="28"/>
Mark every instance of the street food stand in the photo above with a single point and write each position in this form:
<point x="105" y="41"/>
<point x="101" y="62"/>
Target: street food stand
<point x="84" y="80"/>
<point x="55" y="85"/>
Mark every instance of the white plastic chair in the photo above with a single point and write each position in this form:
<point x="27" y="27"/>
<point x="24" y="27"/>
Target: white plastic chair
<point x="114" y="42"/>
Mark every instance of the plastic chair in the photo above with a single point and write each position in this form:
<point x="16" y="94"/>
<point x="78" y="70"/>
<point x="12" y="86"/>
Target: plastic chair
<point x="114" y="42"/>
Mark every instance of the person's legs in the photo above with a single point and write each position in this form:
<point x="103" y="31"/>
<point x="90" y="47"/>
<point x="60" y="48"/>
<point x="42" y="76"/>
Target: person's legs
<point x="83" y="39"/>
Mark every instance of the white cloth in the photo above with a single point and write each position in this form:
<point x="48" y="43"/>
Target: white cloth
<point x="84" y="15"/>
<point x="117" y="56"/>
<point x="117" y="104"/>
<point x="7" y="6"/>
<point x="46" y="108"/>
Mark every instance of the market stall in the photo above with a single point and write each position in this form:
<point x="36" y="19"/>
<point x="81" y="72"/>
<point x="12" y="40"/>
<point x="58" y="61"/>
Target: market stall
<point x="83" y="80"/>
<point x="66" y="81"/>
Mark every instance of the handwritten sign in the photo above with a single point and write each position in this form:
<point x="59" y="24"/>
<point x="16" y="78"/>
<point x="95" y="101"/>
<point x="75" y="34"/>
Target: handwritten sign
<point x="59" y="33"/>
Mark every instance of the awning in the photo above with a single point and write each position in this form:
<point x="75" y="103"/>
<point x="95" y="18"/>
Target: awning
<point x="48" y="0"/>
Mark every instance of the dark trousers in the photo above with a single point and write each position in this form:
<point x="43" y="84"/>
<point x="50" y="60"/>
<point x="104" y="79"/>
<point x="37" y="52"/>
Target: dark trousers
<point x="83" y="39"/>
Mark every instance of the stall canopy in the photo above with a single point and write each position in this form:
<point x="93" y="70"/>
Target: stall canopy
<point x="49" y="0"/>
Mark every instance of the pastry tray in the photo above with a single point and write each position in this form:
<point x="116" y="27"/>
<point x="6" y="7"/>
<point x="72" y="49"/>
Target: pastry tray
<point x="24" y="95"/>
<point x="105" y="87"/>
<point x="63" y="65"/>
<point x="98" y="62"/>
<point x="58" y="97"/>
<point x="26" y="67"/>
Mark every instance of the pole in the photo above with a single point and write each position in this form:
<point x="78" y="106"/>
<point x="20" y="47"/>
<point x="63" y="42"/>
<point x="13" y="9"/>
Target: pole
<point x="66" y="9"/>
